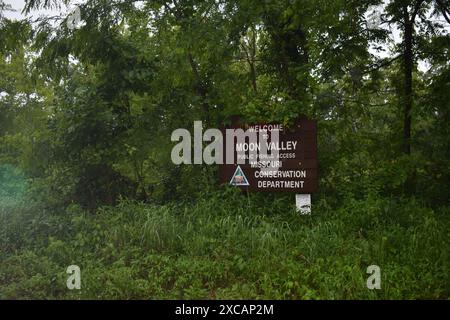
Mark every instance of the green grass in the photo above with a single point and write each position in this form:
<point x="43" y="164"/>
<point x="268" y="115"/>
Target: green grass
<point x="227" y="246"/>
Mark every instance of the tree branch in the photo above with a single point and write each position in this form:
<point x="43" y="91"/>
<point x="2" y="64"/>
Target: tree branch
<point x="416" y="10"/>
<point x="445" y="12"/>
<point x="383" y="64"/>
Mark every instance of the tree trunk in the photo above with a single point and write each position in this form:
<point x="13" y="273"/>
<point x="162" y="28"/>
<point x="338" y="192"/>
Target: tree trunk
<point x="200" y="88"/>
<point x="408" y="89"/>
<point x="408" y="65"/>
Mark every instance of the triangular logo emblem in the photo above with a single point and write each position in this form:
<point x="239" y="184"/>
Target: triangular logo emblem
<point x="239" y="178"/>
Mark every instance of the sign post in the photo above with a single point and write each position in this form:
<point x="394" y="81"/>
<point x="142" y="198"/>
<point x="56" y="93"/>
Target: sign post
<point x="281" y="158"/>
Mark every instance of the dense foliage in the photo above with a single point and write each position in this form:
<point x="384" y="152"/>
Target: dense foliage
<point x="227" y="247"/>
<point x="86" y="116"/>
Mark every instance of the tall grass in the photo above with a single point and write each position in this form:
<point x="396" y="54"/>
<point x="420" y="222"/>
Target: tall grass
<point x="228" y="246"/>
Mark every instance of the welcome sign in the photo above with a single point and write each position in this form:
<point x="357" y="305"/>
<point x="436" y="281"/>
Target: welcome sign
<point x="282" y="158"/>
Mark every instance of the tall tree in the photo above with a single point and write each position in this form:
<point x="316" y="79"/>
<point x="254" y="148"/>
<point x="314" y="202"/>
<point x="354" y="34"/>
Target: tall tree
<point x="416" y="20"/>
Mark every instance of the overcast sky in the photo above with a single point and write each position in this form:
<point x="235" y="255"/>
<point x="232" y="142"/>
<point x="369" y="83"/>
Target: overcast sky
<point x="18" y="5"/>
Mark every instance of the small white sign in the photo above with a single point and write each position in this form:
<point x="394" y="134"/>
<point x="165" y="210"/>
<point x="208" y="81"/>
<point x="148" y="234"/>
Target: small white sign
<point x="303" y="203"/>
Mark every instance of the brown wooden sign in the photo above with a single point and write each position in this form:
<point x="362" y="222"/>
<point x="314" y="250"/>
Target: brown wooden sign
<point x="289" y="164"/>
